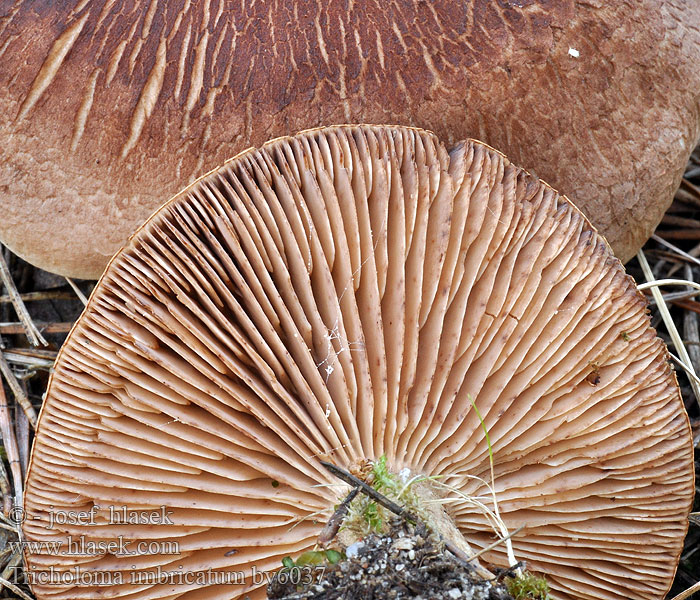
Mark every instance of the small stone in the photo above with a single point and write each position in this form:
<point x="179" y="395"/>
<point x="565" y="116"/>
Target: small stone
<point x="403" y="558"/>
<point x="403" y="544"/>
<point x="353" y="549"/>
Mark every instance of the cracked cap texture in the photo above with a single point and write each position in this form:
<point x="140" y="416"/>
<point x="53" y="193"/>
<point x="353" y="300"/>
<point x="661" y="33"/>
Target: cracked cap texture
<point x="109" y="108"/>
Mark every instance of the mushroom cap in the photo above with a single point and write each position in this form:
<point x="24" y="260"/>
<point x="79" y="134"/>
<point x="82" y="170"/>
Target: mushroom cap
<point x="107" y="109"/>
<point x="342" y="295"/>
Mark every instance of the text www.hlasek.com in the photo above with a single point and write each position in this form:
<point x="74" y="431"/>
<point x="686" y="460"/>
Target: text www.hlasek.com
<point x="80" y="546"/>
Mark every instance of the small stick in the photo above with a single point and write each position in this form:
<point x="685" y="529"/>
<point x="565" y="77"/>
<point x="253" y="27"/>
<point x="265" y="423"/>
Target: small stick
<point x="15" y="328"/>
<point x="690" y="327"/>
<point x="12" y="587"/>
<point x="679" y="234"/>
<point x="368" y="490"/>
<point x="11" y="528"/>
<point x="331" y="528"/>
<point x="15" y="560"/>
<point x="681" y="221"/>
<point x="668" y="321"/>
<point x="511" y="571"/>
<point x="667" y="256"/>
<point x="691" y="305"/>
<point x="5" y="490"/>
<point x="33" y="334"/>
<point x="10" y="443"/>
<point x="688" y="593"/>
<point x="17" y="390"/>
<point x="44" y="295"/>
<point x="694" y="251"/>
<point x="673" y="297"/>
<point x="498" y="542"/>
<point x="50" y="354"/>
<point x="77" y="291"/>
<point x="688" y="193"/>
<point x="676" y="249"/>
<point x="26" y="360"/>
<point x="22" y="431"/>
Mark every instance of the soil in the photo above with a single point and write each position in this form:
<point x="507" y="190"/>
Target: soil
<point x="408" y="562"/>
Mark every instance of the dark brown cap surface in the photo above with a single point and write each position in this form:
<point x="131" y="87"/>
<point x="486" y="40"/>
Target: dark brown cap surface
<point x="107" y="108"/>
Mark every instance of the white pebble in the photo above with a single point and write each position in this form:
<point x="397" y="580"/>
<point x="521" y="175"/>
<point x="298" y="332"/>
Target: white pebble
<point x="403" y="544"/>
<point x="353" y="549"/>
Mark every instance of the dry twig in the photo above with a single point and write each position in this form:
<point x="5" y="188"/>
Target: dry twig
<point x="5" y="490"/>
<point x="30" y="360"/>
<point x="668" y="320"/>
<point x="687" y="255"/>
<point x="688" y="193"/>
<point x="10" y="444"/>
<point x="331" y="528"/>
<point x="688" y="593"/>
<point x="12" y="565"/>
<point x="15" y="328"/>
<point x="33" y="334"/>
<point x="42" y="295"/>
<point x="17" y="390"/>
<point x="679" y="234"/>
<point x="12" y="587"/>
<point x="690" y="327"/>
<point x="368" y="490"/>
<point x="22" y="432"/>
<point x="680" y="221"/>
<point x="77" y="291"/>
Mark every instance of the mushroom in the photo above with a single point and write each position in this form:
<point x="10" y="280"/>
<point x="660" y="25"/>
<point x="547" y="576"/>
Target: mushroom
<point x="107" y="109"/>
<point x="345" y="294"/>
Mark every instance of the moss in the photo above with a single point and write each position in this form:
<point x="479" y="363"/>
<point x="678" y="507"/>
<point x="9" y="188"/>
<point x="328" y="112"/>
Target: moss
<point x="367" y="516"/>
<point x="528" y="587"/>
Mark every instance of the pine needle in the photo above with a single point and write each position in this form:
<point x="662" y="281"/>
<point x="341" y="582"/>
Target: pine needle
<point x="654" y="284"/>
<point x="688" y="593"/>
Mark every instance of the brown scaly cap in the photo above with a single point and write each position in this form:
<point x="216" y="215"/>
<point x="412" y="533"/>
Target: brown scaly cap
<point x="108" y="108"/>
<point x="346" y="294"/>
